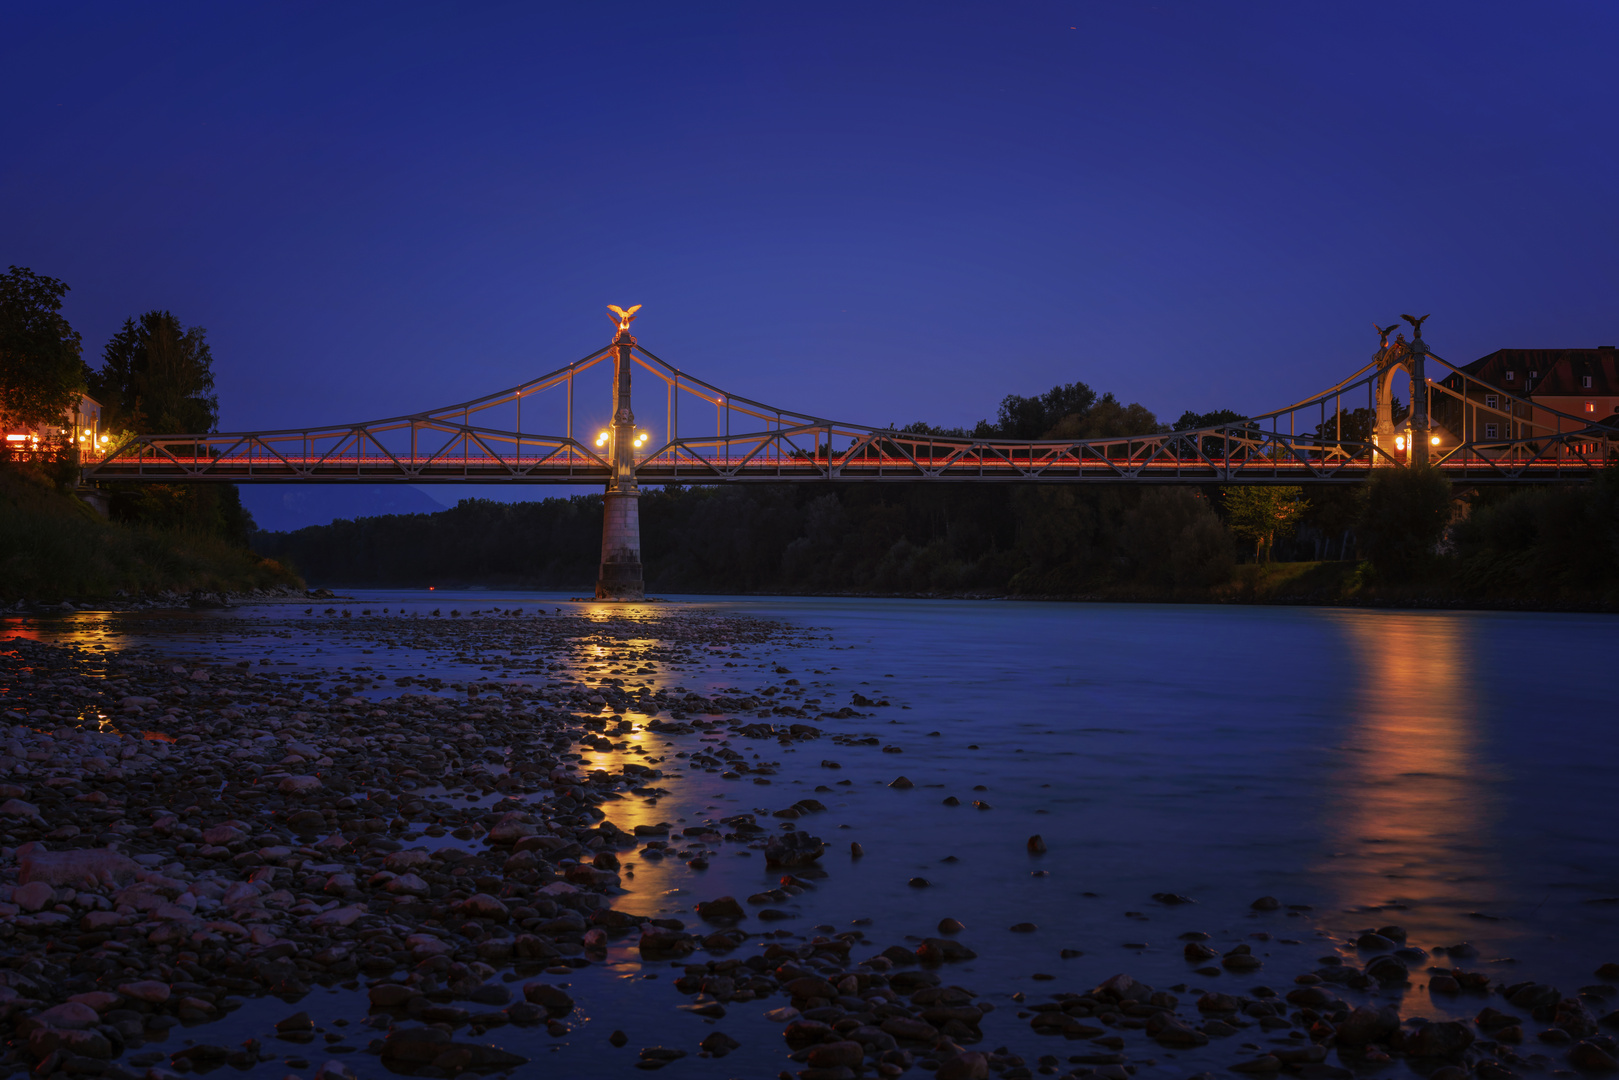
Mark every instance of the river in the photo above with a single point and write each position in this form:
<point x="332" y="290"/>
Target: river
<point x="1448" y="772"/>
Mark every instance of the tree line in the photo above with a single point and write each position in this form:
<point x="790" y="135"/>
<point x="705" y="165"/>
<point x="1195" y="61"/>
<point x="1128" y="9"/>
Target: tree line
<point x="156" y="377"/>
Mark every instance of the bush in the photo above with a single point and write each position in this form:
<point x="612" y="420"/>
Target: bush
<point x="1174" y="539"/>
<point x="1404" y="519"/>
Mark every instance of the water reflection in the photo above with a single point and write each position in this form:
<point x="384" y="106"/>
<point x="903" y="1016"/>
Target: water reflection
<point x="1411" y="821"/>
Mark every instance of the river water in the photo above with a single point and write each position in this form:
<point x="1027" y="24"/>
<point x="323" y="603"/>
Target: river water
<point x="1449" y="772"/>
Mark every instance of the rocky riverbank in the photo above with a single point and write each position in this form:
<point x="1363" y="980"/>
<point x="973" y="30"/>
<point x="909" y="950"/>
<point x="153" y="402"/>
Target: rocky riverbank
<point x="177" y="839"/>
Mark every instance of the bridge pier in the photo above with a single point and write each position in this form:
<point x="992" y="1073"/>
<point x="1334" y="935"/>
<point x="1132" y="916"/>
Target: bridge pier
<point x="620" y="576"/>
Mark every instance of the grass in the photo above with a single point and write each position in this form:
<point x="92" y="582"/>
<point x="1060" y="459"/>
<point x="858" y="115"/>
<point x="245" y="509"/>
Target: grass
<point x="54" y="546"/>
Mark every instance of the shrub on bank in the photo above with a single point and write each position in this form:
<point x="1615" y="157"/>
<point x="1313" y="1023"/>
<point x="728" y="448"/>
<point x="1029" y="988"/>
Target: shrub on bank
<point x="52" y="545"/>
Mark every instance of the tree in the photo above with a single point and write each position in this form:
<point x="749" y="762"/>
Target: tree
<point x="1405" y="517"/>
<point x="1031" y="417"/>
<point x="1264" y="514"/>
<point x="1172" y="537"/>
<point x="1214" y="446"/>
<point x="1107" y="418"/>
<point x="157" y="378"/>
<point x="1191" y="421"/>
<point x="40" y="371"/>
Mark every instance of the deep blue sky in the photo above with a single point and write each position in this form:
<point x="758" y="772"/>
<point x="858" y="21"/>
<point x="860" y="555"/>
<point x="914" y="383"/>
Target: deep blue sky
<point x="879" y="212"/>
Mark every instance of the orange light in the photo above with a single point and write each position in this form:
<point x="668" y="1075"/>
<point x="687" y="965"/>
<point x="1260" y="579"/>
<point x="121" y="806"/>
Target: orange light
<point x="1399" y="442"/>
<point x="1434" y="441"/>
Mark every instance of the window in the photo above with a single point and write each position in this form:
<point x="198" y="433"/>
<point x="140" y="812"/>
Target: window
<point x="1491" y="431"/>
<point x="1534" y="374"/>
<point x="1590" y="406"/>
<point x="1491" y="401"/>
<point x="1585" y="381"/>
<point x="1511" y="375"/>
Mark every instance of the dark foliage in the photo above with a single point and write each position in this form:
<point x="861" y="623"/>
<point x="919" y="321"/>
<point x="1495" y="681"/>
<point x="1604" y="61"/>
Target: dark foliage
<point x="1405" y="516"/>
<point x="1562" y="541"/>
<point x="157" y="378"/>
<point x="40" y="371"/>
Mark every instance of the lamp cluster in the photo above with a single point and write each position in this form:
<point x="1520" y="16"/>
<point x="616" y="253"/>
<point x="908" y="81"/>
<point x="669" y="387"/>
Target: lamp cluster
<point x="604" y="437"/>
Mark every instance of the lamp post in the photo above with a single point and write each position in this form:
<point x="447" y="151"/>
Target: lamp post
<point x="620" y="577"/>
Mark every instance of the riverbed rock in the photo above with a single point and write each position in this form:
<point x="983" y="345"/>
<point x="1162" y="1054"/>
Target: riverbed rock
<point x="87" y="868"/>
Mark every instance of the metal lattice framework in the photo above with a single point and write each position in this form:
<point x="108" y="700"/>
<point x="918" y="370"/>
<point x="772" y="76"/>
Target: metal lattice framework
<point x="1485" y="434"/>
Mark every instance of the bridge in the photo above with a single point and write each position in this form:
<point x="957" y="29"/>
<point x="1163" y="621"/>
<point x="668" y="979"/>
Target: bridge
<point x="1474" y="432"/>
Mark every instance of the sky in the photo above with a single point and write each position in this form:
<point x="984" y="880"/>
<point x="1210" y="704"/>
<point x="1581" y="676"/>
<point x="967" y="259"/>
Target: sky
<point x="879" y="213"/>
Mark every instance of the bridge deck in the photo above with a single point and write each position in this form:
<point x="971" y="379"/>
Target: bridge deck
<point x="577" y="469"/>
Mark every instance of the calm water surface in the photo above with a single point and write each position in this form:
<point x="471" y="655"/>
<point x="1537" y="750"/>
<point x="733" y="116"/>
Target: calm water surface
<point x="1451" y="772"/>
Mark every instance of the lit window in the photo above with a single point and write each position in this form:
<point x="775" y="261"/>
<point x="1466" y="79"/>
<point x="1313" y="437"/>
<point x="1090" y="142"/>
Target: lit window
<point x="1491" y="401"/>
<point x="1590" y="406"/>
<point x="1491" y="431"/>
<point x="1585" y="381"/>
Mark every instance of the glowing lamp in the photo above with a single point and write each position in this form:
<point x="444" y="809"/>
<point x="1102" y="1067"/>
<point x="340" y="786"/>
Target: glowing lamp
<point x="1399" y="442"/>
<point x="601" y="439"/>
<point x="1434" y="441"/>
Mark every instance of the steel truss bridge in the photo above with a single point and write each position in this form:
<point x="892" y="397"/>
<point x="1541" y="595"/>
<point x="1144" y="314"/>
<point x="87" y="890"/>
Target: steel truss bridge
<point x="1484" y="434"/>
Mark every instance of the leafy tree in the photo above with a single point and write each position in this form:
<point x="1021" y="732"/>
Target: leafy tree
<point x="157" y="378"/>
<point x="1264" y="514"/>
<point x="40" y="371"/>
<point x="1406" y="513"/>
<point x="1107" y="418"/>
<point x="1031" y="417"/>
<point x="1213" y="446"/>
<point x="1191" y="421"/>
<point x="1172" y="537"/>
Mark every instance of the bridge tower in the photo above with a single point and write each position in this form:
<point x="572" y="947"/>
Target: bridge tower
<point x="1410" y="357"/>
<point x="620" y="577"/>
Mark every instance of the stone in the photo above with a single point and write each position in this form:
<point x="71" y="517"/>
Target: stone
<point x="552" y="998"/>
<point x="1445" y="1039"/>
<point x="1036" y="845"/>
<point x="298" y="1021"/>
<point x="1592" y="1058"/>
<point x="951" y="926"/>
<point x="900" y="782"/>
<point x="18" y="808"/>
<point x="299" y="785"/>
<point x="70" y="1016"/>
<point x="1367" y="1025"/>
<point x="793" y="849"/>
<point x="724" y="909"/>
<point x="717" y="1044"/>
<point x="967" y="1065"/>
<point x="149" y="991"/>
<point x="409" y="885"/>
<point x="1266" y="903"/>
<point x="419" y="1046"/>
<point x="88" y="868"/>
<point x="830" y="1055"/>
<point x="907" y="1029"/>
<point x="33" y="896"/>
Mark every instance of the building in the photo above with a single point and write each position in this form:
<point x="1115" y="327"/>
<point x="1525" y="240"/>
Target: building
<point x="80" y="427"/>
<point x="1547" y="391"/>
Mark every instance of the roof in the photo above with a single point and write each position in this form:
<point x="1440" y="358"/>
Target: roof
<point x="1551" y="372"/>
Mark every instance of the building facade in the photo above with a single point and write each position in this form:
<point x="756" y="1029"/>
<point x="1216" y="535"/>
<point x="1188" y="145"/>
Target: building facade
<point x="80" y="428"/>
<point x="1580" y="384"/>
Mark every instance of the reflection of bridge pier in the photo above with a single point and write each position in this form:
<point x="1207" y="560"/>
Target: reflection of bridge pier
<point x="621" y="577"/>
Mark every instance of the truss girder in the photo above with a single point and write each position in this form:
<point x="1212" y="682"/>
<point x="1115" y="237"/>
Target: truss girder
<point x="451" y="445"/>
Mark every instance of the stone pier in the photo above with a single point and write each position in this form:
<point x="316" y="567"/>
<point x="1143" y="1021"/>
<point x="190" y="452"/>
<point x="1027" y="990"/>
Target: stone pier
<point x="620" y="576"/>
